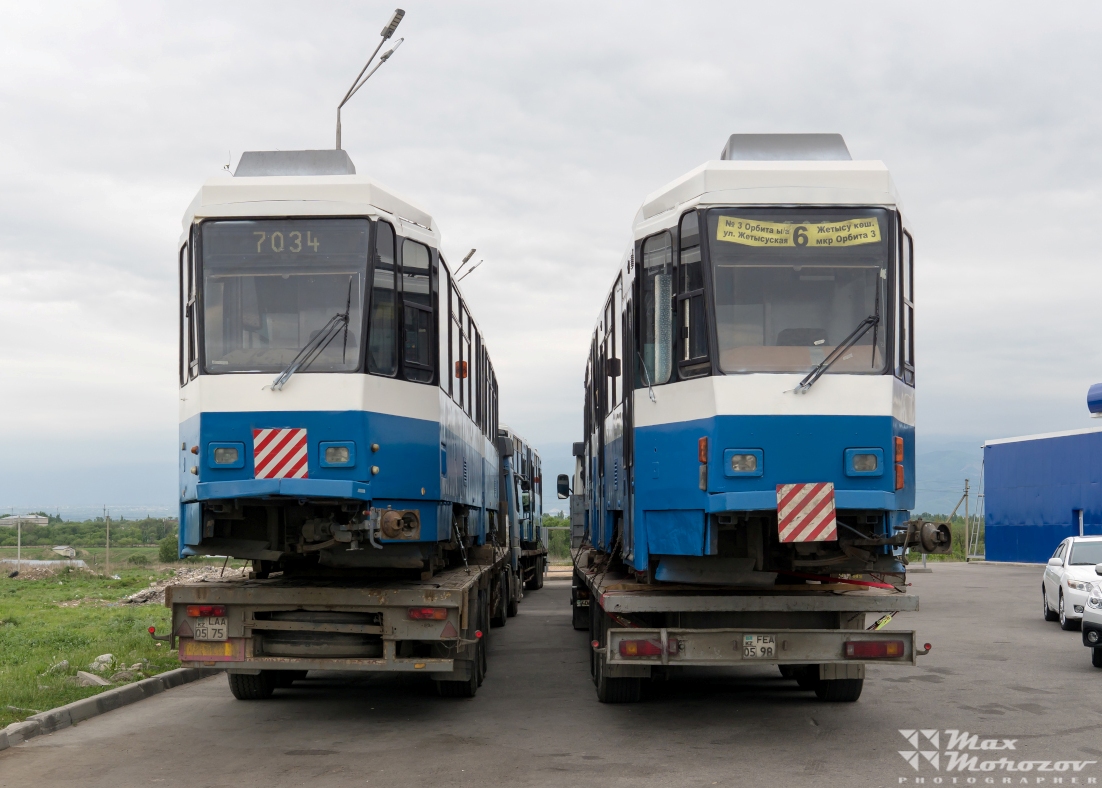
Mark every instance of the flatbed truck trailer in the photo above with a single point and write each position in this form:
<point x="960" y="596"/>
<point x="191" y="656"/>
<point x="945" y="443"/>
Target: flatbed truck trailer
<point x="817" y="634"/>
<point x="266" y="633"/>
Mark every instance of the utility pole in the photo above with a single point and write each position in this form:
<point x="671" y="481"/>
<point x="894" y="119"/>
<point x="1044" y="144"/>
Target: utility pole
<point x="966" y="521"/>
<point x="107" y="558"/>
<point x="18" y="546"/>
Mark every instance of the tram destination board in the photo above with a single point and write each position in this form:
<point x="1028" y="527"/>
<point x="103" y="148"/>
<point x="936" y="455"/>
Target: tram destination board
<point x="285" y="240"/>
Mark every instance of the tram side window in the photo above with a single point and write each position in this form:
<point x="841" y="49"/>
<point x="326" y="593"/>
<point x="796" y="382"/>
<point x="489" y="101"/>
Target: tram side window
<point x="185" y="322"/>
<point x="443" y="324"/>
<point x="693" y="358"/>
<point x="656" y="320"/>
<point x="192" y="331"/>
<point x="456" y="333"/>
<point x="468" y="357"/>
<point x="382" y="351"/>
<point x="905" y="363"/>
<point x="417" y="311"/>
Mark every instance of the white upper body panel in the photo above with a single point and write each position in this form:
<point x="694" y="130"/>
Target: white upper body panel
<point x="865" y="183"/>
<point x="309" y="195"/>
<point x="769" y="394"/>
<point x="307" y="391"/>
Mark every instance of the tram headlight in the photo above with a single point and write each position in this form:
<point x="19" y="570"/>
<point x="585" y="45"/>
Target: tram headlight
<point x="337" y="454"/>
<point x="225" y="455"/>
<point x="743" y="462"/>
<point x="865" y="462"/>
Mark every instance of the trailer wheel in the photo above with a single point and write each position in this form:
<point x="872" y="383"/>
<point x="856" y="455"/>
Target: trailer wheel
<point x="787" y="671"/>
<point x="514" y="595"/>
<point x="246" y="687"/>
<point x="535" y="582"/>
<point x="460" y="689"/>
<point x="1096" y="656"/>
<point x="839" y="690"/>
<point x="617" y="690"/>
<point x="807" y="676"/>
<point x="499" y="592"/>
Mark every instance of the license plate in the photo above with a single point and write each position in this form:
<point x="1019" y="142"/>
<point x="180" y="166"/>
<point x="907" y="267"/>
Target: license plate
<point x="759" y="646"/>
<point x="209" y="628"/>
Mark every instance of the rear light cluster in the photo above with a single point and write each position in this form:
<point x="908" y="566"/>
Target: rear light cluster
<point x="195" y="611"/>
<point x="428" y="613"/>
<point x="874" y="649"/>
<point x="898" y="463"/>
<point x="647" y="648"/>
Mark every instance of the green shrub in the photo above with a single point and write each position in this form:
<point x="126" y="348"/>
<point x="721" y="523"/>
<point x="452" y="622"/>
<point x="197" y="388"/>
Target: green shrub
<point x="168" y="550"/>
<point x="138" y="559"/>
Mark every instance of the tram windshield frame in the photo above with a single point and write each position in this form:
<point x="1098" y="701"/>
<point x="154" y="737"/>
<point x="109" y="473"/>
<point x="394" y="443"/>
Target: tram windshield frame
<point x="269" y="286"/>
<point x="790" y="284"/>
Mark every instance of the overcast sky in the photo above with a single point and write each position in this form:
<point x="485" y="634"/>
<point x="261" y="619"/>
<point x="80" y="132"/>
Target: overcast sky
<point x="531" y="131"/>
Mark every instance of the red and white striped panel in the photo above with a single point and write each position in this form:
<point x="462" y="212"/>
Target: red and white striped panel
<point x="279" y="454"/>
<point x="805" y="512"/>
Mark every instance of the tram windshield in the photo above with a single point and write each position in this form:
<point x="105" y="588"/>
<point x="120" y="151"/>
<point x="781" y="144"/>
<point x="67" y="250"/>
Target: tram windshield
<point x="791" y="284"/>
<point x="271" y="286"/>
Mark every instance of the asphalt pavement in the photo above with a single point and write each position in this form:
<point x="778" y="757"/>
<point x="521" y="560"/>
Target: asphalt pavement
<point x="997" y="670"/>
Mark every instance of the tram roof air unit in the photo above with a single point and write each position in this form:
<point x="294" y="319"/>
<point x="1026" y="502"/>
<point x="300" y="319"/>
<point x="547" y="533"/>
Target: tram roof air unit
<point x="785" y="147"/>
<point x="260" y="163"/>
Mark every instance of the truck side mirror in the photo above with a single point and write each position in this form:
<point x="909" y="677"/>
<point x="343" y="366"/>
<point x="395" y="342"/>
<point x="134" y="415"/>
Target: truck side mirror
<point x="563" y="485"/>
<point x="612" y="367"/>
<point x="578" y="449"/>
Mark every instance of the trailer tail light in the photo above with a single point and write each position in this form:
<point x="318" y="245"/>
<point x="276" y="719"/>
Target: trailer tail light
<point x="898" y="476"/>
<point x="201" y="611"/>
<point x="702" y="449"/>
<point x="898" y="449"/>
<point x="428" y="613"/>
<point x="874" y="649"/>
<point x="646" y="648"/>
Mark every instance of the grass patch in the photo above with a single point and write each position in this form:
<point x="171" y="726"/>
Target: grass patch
<point x="74" y="616"/>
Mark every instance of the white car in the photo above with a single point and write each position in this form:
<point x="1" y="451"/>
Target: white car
<point x="1070" y="580"/>
<point x="1092" y="623"/>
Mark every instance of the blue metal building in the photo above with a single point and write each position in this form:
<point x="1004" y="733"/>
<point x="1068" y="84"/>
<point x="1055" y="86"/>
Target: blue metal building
<point x="1039" y="490"/>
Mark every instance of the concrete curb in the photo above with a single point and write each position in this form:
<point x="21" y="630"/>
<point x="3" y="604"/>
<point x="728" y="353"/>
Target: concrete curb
<point x="78" y="711"/>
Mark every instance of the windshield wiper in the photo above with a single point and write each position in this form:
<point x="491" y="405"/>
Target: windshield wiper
<point x="314" y="348"/>
<point x="850" y="341"/>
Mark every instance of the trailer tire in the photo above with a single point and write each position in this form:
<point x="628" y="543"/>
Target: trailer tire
<point x="514" y="596"/>
<point x="787" y="671"/>
<point x="1096" y="656"/>
<point x="839" y="690"/>
<point x="535" y="583"/>
<point x="807" y="676"/>
<point x="460" y="689"/>
<point x="617" y="690"/>
<point x="247" y="687"/>
<point x="498" y="616"/>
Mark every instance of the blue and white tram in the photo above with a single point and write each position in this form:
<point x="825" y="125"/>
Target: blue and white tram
<point x="528" y="494"/>
<point x="338" y="407"/>
<point x="749" y="405"/>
